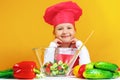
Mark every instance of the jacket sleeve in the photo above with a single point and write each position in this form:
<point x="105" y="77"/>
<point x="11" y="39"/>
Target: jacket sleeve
<point x="83" y="54"/>
<point x="49" y="53"/>
<point x="53" y="45"/>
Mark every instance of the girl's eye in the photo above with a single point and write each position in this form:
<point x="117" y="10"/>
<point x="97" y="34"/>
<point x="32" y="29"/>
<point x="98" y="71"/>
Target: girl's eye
<point x="69" y="28"/>
<point x="59" y="28"/>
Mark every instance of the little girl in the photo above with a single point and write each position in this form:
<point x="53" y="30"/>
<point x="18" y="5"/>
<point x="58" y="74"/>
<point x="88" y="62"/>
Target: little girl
<point x="63" y="16"/>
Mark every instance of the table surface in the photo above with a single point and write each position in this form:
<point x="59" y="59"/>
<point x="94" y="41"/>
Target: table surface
<point x="71" y="78"/>
<point x="61" y="78"/>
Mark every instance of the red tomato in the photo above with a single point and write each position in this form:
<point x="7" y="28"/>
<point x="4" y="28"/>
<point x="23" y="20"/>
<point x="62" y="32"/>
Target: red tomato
<point x="59" y="68"/>
<point x="47" y="69"/>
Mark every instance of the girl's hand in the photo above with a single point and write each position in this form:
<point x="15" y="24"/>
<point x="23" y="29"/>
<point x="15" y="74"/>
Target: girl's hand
<point x="73" y="42"/>
<point x="58" y="42"/>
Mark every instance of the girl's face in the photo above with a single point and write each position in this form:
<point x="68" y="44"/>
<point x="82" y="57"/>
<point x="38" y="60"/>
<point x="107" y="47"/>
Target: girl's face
<point x="65" y="32"/>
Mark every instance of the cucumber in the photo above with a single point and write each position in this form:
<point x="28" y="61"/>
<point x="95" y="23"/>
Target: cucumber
<point x="115" y="75"/>
<point x="90" y="65"/>
<point x="6" y="73"/>
<point x="106" y="66"/>
<point x="97" y="74"/>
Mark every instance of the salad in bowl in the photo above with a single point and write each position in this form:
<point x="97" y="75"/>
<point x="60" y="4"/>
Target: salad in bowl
<point x="55" y="69"/>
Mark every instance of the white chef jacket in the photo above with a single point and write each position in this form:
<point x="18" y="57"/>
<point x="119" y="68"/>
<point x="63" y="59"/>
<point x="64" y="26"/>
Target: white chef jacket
<point x="84" y="57"/>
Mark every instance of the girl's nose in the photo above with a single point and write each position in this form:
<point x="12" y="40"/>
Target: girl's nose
<point x="65" y="31"/>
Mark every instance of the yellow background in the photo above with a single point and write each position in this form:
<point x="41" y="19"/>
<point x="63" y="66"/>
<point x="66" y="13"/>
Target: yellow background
<point x="22" y="28"/>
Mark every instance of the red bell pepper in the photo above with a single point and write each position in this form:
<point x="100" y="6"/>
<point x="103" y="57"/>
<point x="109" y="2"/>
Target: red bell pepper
<point x="24" y="70"/>
<point x="81" y="70"/>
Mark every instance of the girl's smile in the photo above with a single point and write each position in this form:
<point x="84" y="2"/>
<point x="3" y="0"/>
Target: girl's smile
<point x="65" y="36"/>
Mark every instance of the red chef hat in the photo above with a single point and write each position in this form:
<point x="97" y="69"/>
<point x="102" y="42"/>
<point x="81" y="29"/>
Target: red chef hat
<point x="64" y="12"/>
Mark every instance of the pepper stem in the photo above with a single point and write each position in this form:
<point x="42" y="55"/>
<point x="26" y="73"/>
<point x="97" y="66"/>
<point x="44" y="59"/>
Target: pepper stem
<point x="37" y="71"/>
